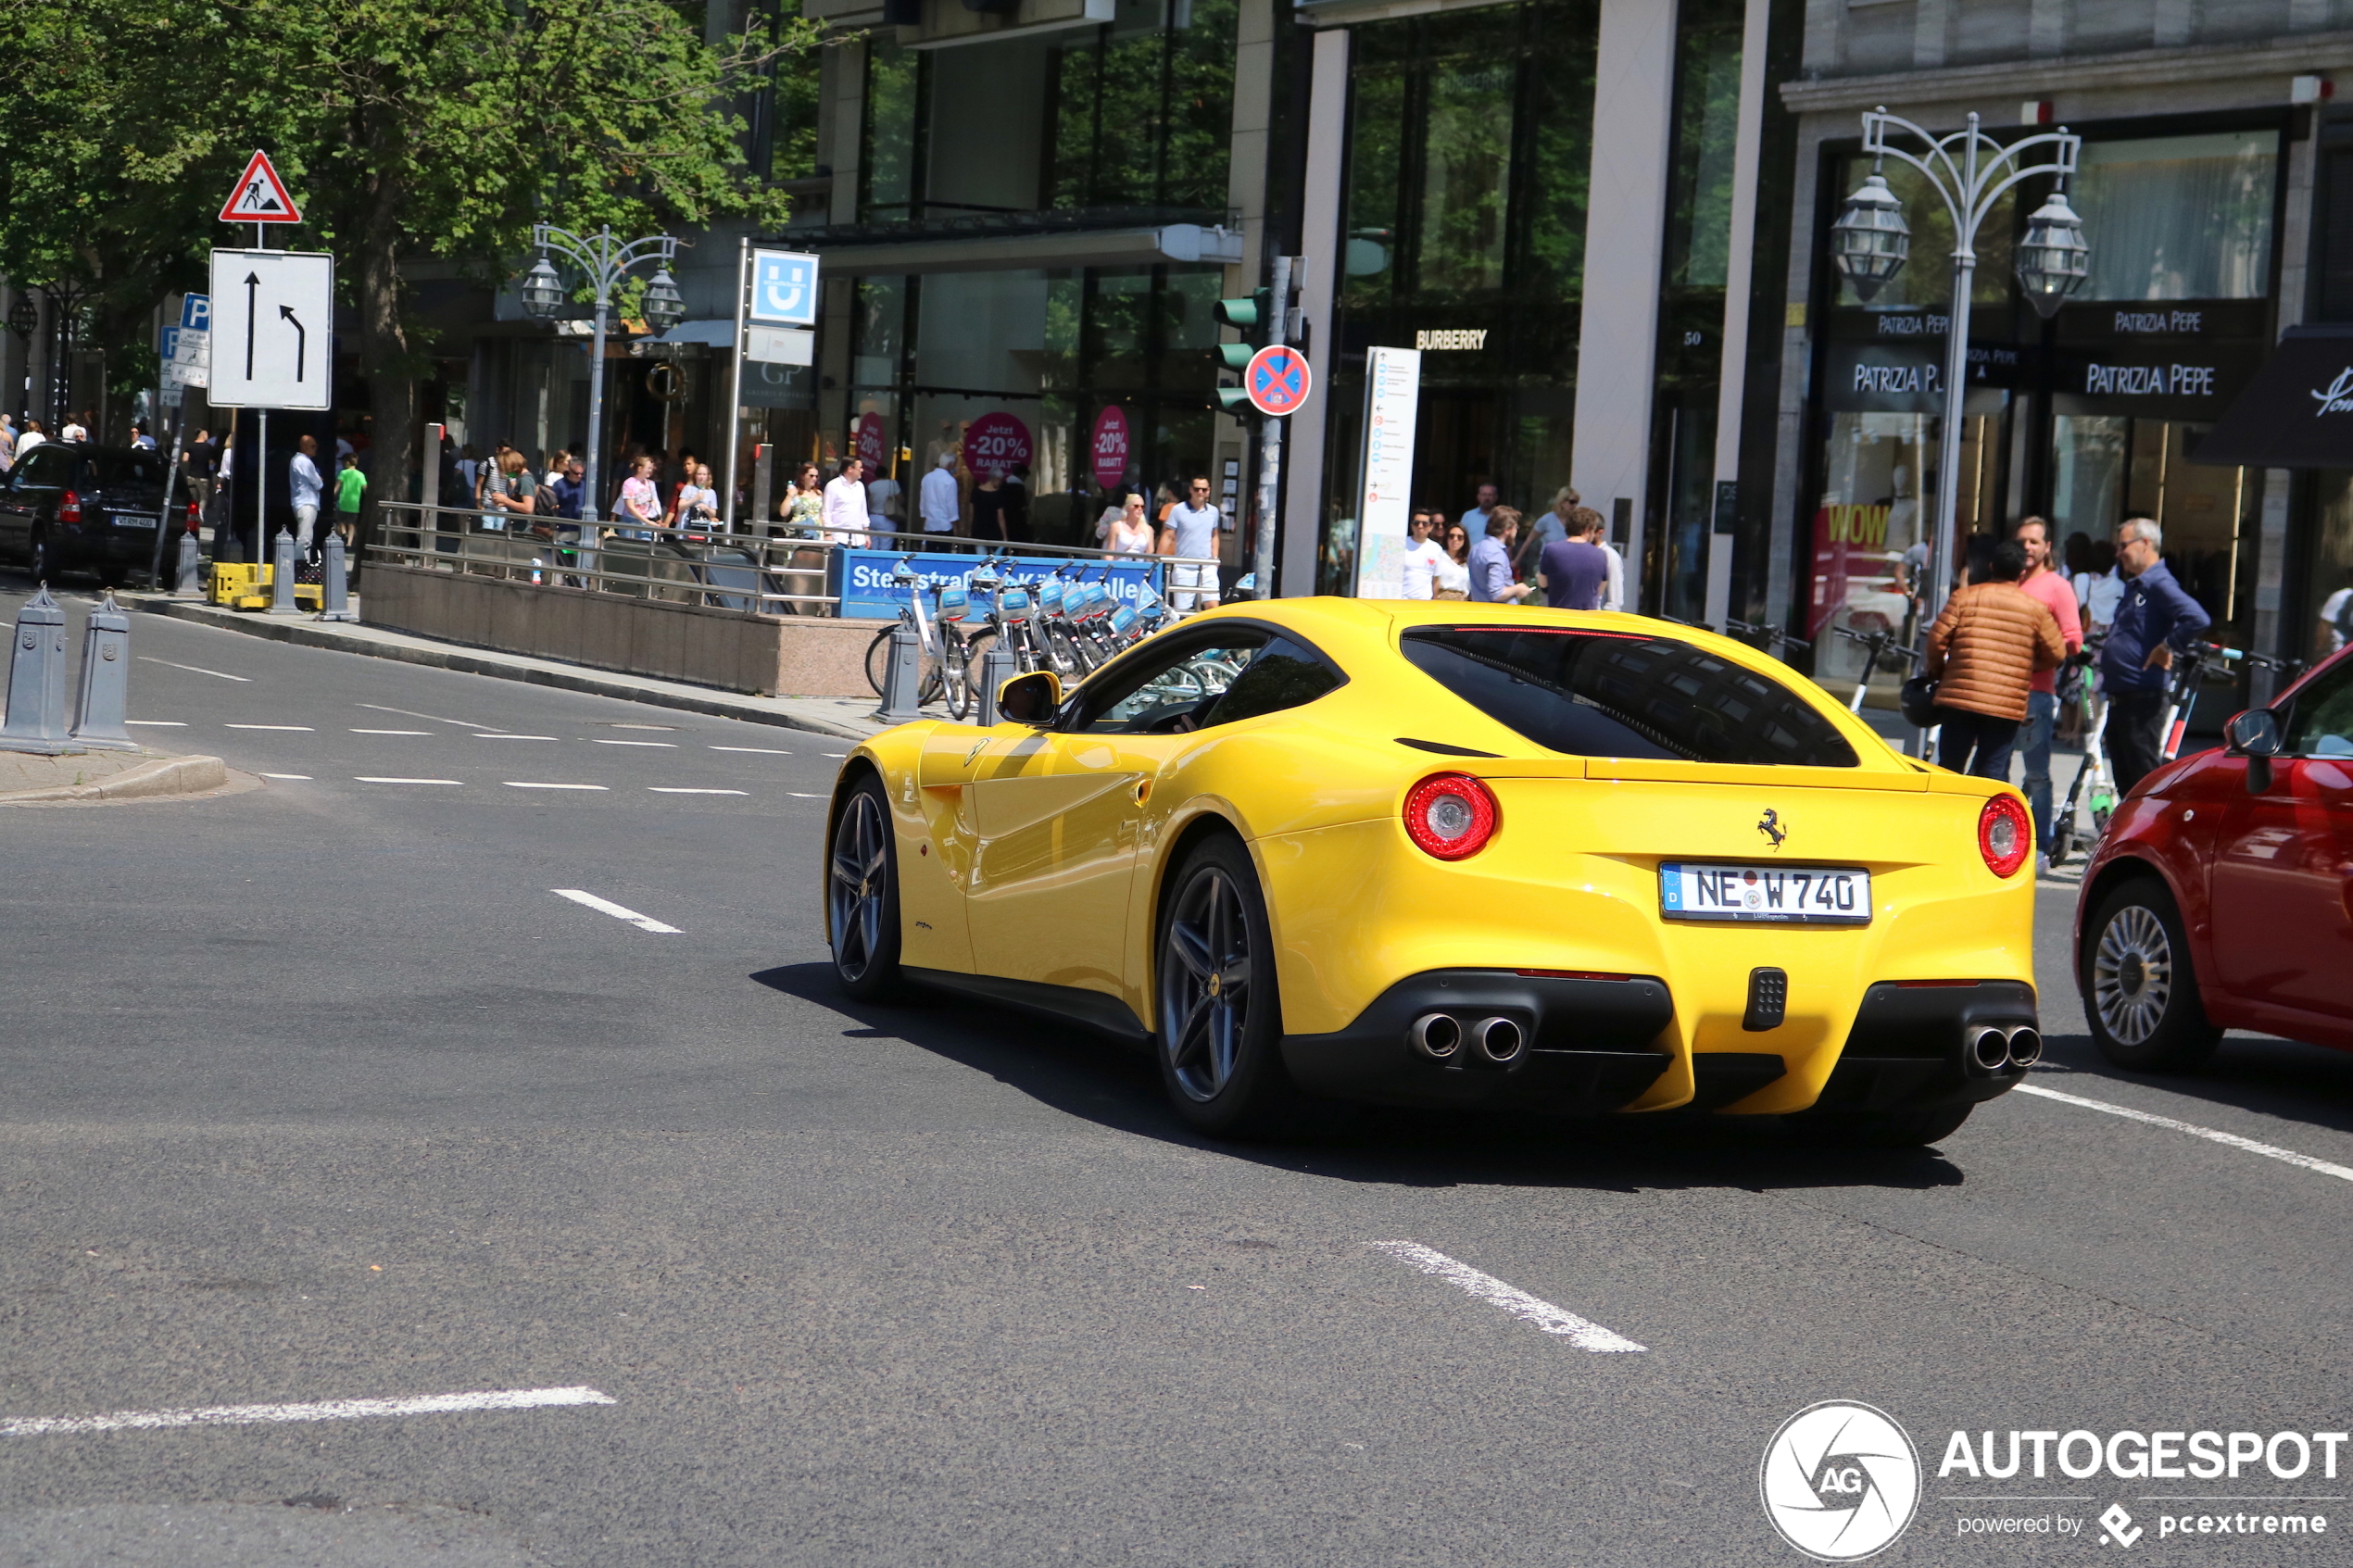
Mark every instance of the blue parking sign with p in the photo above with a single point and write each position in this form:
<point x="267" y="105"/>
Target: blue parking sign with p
<point x="195" y="313"/>
<point x="783" y="288"/>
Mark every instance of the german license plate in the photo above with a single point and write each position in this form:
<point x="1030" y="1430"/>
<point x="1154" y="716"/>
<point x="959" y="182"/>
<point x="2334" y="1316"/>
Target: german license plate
<point x="132" y="519"/>
<point x="1772" y="894"/>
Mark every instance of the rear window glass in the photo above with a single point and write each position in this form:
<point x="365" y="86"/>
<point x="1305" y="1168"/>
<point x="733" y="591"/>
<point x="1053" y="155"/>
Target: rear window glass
<point x="131" y="468"/>
<point x="1594" y="694"/>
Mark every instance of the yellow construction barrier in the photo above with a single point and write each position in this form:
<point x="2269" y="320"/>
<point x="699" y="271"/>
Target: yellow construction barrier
<point x="242" y="586"/>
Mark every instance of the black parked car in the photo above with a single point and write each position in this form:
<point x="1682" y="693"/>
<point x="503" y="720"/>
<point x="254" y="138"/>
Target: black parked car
<point x="81" y="508"/>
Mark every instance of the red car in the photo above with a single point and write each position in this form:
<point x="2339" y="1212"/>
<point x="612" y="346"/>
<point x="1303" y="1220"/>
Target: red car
<point x="2222" y="896"/>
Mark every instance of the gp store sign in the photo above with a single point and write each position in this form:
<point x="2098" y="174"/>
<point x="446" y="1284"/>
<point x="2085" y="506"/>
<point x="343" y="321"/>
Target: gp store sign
<point x="863" y="578"/>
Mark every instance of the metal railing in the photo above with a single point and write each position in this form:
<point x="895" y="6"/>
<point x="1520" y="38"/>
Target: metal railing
<point x="775" y="572"/>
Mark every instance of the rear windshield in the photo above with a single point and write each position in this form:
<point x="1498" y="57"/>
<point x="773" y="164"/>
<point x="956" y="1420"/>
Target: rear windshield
<point x="105" y="468"/>
<point x="1601" y="694"/>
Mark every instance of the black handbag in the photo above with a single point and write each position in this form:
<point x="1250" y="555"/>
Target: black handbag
<point x="1918" y="700"/>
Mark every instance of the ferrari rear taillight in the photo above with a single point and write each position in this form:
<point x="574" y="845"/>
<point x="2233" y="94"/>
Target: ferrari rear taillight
<point x="1451" y="816"/>
<point x="69" y="509"/>
<point x="2005" y="836"/>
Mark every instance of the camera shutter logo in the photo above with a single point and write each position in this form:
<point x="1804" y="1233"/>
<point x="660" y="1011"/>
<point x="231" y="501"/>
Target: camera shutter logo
<point x="1840" y="1481"/>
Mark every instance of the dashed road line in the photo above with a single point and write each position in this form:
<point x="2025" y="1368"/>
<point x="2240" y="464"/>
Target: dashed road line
<point x="304" y="778"/>
<point x="519" y="784"/>
<point x="606" y="905"/>
<point x="659" y="789"/>
<point x="331" y="1409"/>
<point x="501" y="736"/>
<point x="2231" y="1140"/>
<point x="599" y="740"/>
<point x="291" y="729"/>
<point x="195" y="670"/>
<point x="798" y="796"/>
<point x="158" y="724"/>
<point x="433" y="718"/>
<point x="1582" y="1333"/>
<point x="764" y="750"/>
<point x="392" y="731"/>
<point x="365" y="778"/>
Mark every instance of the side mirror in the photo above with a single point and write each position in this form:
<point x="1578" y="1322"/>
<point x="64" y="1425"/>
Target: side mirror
<point x="1031" y="699"/>
<point x="2255" y="735"/>
<point x="2255" y="732"/>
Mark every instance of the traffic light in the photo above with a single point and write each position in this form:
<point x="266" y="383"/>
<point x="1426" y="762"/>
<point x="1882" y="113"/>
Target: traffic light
<point x="1234" y="400"/>
<point x="1247" y="314"/>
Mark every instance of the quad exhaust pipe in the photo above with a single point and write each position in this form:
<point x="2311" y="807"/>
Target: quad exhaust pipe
<point x="1439" y="1036"/>
<point x="1993" y="1046"/>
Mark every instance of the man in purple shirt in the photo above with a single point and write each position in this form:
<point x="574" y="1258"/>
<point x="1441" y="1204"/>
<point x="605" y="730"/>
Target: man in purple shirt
<point x="1574" y="571"/>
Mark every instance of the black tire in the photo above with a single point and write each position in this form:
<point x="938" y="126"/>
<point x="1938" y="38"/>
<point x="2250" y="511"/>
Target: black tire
<point x="2140" y="992"/>
<point x="1220" y="1017"/>
<point x="862" y="894"/>
<point x="1885" y="1129"/>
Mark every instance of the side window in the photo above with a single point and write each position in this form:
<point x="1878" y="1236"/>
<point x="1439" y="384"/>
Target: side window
<point x="2322" y="724"/>
<point x="1172" y="695"/>
<point x="43" y="471"/>
<point x="1283" y="676"/>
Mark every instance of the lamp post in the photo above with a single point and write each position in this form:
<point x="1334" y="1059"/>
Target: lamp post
<point x="1971" y="170"/>
<point x="66" y="300"/>
<point x="606" y="262"/>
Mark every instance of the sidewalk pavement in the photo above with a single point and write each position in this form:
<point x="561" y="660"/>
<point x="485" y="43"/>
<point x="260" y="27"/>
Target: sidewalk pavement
<point x="843" y="717"/>
<point x="95" y="777"/>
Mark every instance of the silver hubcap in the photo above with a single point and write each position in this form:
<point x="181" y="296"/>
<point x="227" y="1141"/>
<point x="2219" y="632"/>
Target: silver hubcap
<point x="2133" y="974"/>
<point x="1204" y="986"/>
<point x="856" y="886"/>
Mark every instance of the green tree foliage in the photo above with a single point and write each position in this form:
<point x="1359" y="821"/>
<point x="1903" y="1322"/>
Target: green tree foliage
<point x="405" y="129"/>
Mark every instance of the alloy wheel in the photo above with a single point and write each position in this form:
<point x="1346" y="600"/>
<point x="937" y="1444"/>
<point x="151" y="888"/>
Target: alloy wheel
<point x="856" y="888"/>
<point x="1205" y="985"/>
<point x="2133" y="974"/>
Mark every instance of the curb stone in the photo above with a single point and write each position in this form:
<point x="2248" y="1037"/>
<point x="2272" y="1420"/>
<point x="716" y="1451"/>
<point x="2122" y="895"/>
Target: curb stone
<point x="164" y="776"/>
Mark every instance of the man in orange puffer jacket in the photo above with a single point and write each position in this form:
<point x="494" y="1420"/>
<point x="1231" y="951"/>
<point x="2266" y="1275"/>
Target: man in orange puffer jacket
<point x="1984" y="653"/>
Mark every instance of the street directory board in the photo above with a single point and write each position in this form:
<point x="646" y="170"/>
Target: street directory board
<point x="1384" y="505"/>
<point x="863" y="578"/>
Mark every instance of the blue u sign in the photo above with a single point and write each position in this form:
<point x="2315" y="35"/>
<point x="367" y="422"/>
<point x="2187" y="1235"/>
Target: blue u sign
<point x="783" y="288"/>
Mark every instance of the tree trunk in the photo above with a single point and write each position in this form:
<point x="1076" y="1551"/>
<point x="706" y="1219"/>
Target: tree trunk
<point x="383" y="350"/>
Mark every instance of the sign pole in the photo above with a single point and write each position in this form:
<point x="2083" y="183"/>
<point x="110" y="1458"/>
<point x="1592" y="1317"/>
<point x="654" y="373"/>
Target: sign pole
<point x="735" y="378"/>
<point x="1270" y="448"/>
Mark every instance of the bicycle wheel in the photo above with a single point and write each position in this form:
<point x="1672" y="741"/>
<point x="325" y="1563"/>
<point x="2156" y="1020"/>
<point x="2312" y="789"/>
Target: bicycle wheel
<point x="879" y="658"/>
<point x="955" y="673"/>
<point x="1063" y="654"/>
<point x="975" y="649"/>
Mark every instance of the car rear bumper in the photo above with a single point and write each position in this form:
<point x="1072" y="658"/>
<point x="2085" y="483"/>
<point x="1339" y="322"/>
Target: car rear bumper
<point x="1595" y="1043"/>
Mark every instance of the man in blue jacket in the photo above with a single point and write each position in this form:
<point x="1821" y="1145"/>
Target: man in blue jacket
<point x="2154" y="620"/>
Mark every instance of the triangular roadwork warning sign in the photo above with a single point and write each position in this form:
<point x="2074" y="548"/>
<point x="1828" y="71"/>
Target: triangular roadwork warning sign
<point x="259" y="196"/>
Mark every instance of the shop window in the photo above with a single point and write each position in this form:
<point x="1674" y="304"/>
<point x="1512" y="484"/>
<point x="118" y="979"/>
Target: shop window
<point x="1466" y="175"/>
<point x="780" y="140"/>
<point x="889" y="144"/>
<point x="1140" y="112"/>
<point x="2177" y="217"/>
<point x="2108" y="467"/>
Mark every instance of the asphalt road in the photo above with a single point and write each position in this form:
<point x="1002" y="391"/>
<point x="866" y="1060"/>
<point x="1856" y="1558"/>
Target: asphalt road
<point x="320" y="1093"/>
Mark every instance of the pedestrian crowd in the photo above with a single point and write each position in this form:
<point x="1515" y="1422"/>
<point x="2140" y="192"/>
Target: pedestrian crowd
<point x="1492" y="554"/>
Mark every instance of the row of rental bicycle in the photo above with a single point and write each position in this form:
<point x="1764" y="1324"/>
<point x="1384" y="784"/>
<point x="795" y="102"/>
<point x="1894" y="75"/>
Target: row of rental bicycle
<point x="1070" y="622"/>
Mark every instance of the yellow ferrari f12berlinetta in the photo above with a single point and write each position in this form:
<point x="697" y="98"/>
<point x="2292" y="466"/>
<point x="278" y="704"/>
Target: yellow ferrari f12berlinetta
<point x="1453" y="854"/>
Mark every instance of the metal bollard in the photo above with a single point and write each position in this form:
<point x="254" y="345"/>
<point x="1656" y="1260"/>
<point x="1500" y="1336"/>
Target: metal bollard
<point x="902" y="677"/>
<point x="190" y="583"/>
<point x="281" y="576"/>
<point x="36" y="720"/>
<point x="998" y="666"/>
<point x="106" y="680"/>
<point x="335" y="593"/>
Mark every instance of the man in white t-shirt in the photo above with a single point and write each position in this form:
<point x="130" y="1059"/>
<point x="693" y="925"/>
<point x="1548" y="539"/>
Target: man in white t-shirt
<point x="2336" y="613"/>
<point x="940" y="499"/>
<point x="844" y="517"/>
<point x="1418" y="568"/>
<point x="1191" y="529"/>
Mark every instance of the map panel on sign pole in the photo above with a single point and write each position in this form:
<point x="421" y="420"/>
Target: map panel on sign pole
<point x="273" y="329"/>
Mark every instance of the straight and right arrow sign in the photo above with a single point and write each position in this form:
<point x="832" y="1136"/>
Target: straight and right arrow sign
<point x="264" y="304"/>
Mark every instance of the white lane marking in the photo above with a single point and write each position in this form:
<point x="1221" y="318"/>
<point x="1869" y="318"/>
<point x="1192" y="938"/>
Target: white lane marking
<point x="435" y="717"/>
<point x="304" y="777"/>
<point x="197" y="670"/>
<point x="2269" y="1151"/>
<point x="596" y="740"/>
<point x="615" y="726"/>
<point x="303" y="729"/>
<point x="764" y="750"/>
<point x="159" y="723"/>
<point x="797" y="795"/>
<point x="606" y="905"/>
<point x="331" y="1409"/>
<point x="1581" y="1332"/>
<point x="518" y="784"/>
<point x="501" y="735"/>
<point x="364" y="778"/>
<point x="392" y="731"/>
<point x="659" y="789"/>
<point x="837" y="754"/>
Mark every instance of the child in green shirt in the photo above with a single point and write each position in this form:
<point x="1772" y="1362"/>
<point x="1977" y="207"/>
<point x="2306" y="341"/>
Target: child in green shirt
<point x="350" y="486"/>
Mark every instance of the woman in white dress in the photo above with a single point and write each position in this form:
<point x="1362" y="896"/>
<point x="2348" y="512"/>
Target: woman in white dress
<point x="1129" y="533"/>
<point x="1452" y="580"/>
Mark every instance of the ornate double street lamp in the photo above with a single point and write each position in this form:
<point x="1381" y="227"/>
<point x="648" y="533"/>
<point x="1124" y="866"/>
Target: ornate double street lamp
<point x="1971" y="170"/>
<point x="606" y="262"/>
